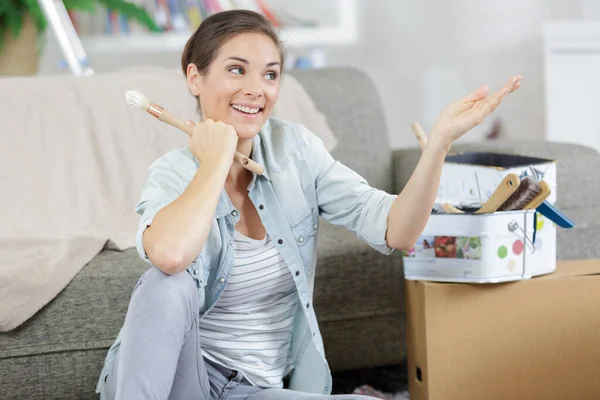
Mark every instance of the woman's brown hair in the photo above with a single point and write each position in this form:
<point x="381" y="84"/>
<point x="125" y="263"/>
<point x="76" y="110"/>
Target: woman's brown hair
<point x="202" y="47"/>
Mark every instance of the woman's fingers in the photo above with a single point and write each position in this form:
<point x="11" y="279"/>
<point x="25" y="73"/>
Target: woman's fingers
<point x="512" y="85"/>
<point x="490" y="103"/>
<point x="478" y="94"/>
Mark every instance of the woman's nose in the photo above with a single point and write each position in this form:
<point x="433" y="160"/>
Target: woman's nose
<point x="253" y="87"/>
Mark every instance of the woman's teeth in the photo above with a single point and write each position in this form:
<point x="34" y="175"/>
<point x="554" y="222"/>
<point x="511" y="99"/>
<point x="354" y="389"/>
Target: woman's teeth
<point x="247" y="110"/>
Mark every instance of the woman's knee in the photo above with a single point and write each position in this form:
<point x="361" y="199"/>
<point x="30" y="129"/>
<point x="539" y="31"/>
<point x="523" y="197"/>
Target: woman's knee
<point x="163" y="292"/>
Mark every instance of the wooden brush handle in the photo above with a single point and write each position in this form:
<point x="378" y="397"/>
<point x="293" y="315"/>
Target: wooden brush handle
<point x="450" y="209"/>
<point x="539" y="199"/>
<point x="420" y="134"/>
<point x="509" y="184"/>
<point x="241" y="159"/>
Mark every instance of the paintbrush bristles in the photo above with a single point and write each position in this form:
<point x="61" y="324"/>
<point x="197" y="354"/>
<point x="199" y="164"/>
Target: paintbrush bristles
<point x="136" y="99"/>
<point x="527" y="190"/>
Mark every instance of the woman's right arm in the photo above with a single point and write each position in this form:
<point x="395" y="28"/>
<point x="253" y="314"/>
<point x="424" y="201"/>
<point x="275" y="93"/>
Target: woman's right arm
<point x="178" y="231"/>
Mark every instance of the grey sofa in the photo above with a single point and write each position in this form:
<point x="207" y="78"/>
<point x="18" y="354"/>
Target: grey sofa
<point x="59" y="352"/>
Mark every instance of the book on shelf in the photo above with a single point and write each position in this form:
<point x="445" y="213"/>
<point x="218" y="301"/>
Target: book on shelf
<point x="178" y="16"/>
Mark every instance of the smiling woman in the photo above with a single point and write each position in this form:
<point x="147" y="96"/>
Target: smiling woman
<point x="235" y="61"/>
<point x="225" y="310"/>
<point x="241" y="84"/>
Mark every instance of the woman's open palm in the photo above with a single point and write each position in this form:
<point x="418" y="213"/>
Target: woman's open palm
<point x="466" y="113"/>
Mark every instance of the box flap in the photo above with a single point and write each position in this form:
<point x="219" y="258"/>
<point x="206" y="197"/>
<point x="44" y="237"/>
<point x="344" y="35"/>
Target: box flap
<point x="574" y="268"/>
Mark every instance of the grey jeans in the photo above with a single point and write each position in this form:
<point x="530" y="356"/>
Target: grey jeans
<point x="160" y="355"/>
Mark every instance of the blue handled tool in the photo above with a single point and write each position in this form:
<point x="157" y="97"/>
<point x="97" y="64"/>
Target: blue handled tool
<point x="554" y="215"/>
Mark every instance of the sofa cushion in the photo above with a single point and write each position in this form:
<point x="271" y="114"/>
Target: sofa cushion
<point x="59" y="352"/>
<point x="86" y="315"/>
<point x="359" y="301"/>
<point x="70" y="375"/>
<point x="349" y="273"/>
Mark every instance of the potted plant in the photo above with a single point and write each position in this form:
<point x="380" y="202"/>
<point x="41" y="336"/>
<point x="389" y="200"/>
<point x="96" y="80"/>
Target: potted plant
<point x="22" y="23"/>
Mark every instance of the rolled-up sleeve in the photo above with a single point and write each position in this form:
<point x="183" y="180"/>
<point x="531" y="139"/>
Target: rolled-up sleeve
<point x="167" y="179"/>
<point x="345" y="198"/>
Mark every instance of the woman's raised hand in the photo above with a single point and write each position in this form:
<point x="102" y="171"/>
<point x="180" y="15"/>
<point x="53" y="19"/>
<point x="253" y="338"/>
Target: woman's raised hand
<point x="466" y="113"/>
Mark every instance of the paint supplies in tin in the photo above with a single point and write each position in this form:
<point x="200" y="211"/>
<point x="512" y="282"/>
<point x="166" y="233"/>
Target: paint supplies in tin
<point x="483" y="248"/>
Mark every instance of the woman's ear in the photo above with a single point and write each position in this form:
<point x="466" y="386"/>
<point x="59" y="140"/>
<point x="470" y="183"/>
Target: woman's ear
<point x="194" y="79"/>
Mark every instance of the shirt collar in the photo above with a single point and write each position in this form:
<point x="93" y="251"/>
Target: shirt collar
<point x="224" y="205"/>
<point x="258" y="155"/>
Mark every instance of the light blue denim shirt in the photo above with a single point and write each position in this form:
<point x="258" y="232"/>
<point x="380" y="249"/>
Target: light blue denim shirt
<point x="301" y="182"/>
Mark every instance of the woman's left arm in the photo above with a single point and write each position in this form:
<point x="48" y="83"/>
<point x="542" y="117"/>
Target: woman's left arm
<point x="411" y="209"/>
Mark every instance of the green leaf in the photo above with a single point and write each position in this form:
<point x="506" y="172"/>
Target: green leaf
<point x="14" y="20"/>
<point x="13" y="11"/>
<point x="2" y="23"/>
<point x="81" y="5"/>
<point x="131" y="10"/>
<point x="36" y="12"/>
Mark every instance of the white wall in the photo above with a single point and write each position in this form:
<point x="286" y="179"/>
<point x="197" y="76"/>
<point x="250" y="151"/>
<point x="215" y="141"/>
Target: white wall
<point x="424" y="54"/>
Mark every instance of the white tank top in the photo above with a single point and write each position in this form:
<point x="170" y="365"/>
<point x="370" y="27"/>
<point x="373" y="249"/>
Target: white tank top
<point x="250" y="327"/>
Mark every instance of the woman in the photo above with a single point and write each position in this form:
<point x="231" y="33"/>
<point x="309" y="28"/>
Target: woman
<point x="225" y="311"/>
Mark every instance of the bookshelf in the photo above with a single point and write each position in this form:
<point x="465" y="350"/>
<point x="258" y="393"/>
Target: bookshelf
<point x="343" y="32"/>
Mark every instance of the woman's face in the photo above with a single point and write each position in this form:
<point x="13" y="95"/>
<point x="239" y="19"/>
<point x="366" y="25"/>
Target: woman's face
<point x="242" y="83"/>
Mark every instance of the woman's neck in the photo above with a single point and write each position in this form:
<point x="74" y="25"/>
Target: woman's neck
<point x="239" y="177"/>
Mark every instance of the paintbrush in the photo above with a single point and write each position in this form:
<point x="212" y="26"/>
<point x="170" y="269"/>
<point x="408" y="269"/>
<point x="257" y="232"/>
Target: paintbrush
<point x="534" y="197"/>
<point x="526" y="192"/>
<point x="419" y="134"/>
<point x="507" y="187"/>
<point x="505" y="190"/>
<point x="138" y="100"/>
<point x="540" y="198"/>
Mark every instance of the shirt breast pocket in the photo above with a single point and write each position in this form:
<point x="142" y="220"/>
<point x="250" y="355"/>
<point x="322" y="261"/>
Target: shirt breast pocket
<point x="305" y="234"/>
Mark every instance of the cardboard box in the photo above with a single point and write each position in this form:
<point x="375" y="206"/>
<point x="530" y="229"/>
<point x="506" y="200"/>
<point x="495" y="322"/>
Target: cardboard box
<point x="483" y="248"/>
<point x="535" y="339"/>
<point x="469" y="179"/>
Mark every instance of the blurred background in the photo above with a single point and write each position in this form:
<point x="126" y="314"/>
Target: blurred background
<point x="421" y="54"/>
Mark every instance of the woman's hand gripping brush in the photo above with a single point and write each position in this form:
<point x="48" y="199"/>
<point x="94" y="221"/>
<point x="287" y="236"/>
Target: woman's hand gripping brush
<point x="411" y="209"/>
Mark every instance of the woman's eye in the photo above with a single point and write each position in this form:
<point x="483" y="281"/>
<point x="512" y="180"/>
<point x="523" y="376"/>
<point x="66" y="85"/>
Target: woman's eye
<point x="271" y="76"/>
<point x="236" y="70"/>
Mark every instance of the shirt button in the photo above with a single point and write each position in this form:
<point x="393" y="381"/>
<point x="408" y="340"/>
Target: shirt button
<point x="307" y="305"/>
<point x="196" y="271"/>
<point x="261" y="207"/>
<point x="297" y="273"/>
<point x="301" y="239"/>
<point x="280" y="241"/>
<point x="222" y="280"/>
<point x="315" y="227"/>
<point x="234" y="213"/>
